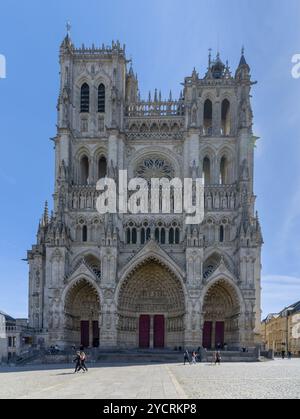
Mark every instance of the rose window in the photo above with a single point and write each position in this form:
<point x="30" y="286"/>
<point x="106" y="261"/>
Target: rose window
<point x="155" y="169"/>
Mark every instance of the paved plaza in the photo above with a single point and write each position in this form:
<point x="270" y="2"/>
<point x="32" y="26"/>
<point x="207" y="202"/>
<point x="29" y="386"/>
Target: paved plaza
<point x="274" y="379"/>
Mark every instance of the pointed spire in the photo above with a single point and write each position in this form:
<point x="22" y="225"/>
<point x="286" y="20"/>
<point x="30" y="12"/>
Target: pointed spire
<point x="46" y="214"/>
<point x="155" y="95"/>
<point x="243" y="59"/>
<point x="68" y="27"/>
<point x="170" y="96"/>
<point x="131" y="72"/>
<point x="209" y="57"/>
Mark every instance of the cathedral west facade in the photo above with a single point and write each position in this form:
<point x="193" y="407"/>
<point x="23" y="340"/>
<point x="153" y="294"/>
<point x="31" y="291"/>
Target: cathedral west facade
<point x="145" y="280"/>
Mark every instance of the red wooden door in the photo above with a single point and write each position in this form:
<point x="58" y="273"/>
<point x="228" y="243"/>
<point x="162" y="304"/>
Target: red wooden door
<point x="159" y="331"/>
<point x="85" y="333"/>
<point x="207" y="335"/>
<point x="144" y="332"/>
<point x="220" y="332"/>
<point x="96" y="334"/>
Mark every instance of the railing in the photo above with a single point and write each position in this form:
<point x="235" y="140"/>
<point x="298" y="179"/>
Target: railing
<point x="155" y="108"/>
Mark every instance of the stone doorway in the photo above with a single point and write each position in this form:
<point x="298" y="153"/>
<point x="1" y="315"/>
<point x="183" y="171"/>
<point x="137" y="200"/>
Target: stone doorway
<point x="152" y="332"/>
<point x="82" y="315"/>
<point x="151" y="309"/>
<point x="221" y="312"/>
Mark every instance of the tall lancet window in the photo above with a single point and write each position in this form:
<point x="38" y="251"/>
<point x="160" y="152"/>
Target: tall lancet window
<point x="101" y="98"/>
<point x="85" y="98"/>
<point x="208" y="116"/>
<point x="226" y="117"/>
<point x="206" y="171"/>
<point x="102" y="168"/>
<point x="84" y="170"/>
<point x="224" y="171"/>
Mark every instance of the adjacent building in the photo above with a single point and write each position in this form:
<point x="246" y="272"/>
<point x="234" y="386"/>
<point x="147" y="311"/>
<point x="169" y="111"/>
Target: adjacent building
<point x="15" y="337"/>
<point x="281" y="331"/>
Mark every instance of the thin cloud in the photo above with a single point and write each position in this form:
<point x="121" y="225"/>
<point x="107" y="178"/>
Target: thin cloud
<point x="279" y="292"/>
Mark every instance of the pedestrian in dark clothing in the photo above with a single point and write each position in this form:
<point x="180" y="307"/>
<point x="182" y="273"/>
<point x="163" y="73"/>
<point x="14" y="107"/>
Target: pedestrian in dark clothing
<point x="218" y="358"/>
<point x="78" y="362"/>
<point x="283" y="354"/>
<point x="186" y="357"/>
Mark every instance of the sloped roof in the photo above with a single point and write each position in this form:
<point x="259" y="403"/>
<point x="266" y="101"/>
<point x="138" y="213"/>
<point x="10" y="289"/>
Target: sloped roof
<point x="7" y="316"/>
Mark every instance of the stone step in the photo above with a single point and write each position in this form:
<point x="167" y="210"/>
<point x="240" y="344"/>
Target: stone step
<point x="142" y="357"/>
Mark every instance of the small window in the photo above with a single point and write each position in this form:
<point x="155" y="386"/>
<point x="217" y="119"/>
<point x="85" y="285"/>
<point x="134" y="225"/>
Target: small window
<point x="222" y="234"/>
<point x="143" y="236"/>
<point x="102" y="168"/>
<point x="148" y="234"/>
<point x="128" y="236"/>
<point x="84" y="234"/>
<point x="163" y="236"/>
<point x="171" y="236"/>
<point x="85" y="98"/>
<point x="134" y="236"/>
<point x="157" y="235"/>
<point x="177" y="236"/>
<point x="101" y="98"/>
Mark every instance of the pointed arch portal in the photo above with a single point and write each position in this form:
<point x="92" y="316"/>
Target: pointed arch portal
<point x="221" y="310"/>
<point x="82" y="315"/>
<point x="151" y="308"/>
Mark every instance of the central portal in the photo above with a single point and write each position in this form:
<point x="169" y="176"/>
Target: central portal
<point x="152" y="332"/>
<point x="151" y="309"/>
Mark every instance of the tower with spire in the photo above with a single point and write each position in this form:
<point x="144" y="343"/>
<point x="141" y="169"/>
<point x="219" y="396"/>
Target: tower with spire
<point x="148" y="280"/>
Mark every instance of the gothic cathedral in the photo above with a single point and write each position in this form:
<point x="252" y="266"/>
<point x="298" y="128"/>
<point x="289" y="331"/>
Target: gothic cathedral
<point x="148" y="281"/>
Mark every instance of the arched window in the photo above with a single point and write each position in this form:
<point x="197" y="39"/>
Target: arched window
<point x="128" y="236"/>
<point x="206" y="171"/>
<point x="157" y="234"/>
<point x="225" y="117"/>
<point x="85" y="98"/>
<point x="224" y="171"/>
<point x="134" y="236"/>
<point x="143" y="236"/>
<point x="148" y="234"/>
<point x="163" y="236"/>
<point x="208" y="114"/>
<point x="101" y="98"/>
<point x="102" y="168"/>
<point x="171" y="236"/>
<point x="177" y="236"/>
<point x="84" y="170"/>
<point x="84" y="234"/>
<point x="221" y="234"/>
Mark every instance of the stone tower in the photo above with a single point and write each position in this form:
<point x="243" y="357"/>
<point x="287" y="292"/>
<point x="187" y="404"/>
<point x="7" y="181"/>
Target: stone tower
<point x="146" y="280"/>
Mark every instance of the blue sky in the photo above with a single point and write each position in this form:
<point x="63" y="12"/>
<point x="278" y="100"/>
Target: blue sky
<point x="166" y="39"/>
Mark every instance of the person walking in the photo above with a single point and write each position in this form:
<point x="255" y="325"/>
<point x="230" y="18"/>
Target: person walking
<point x="218" y="358"/>
<point x="194" y="358"/>
<point x="83" y="361"/>
<point x="78" y="362"/>
<point x="187" y="357"/>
